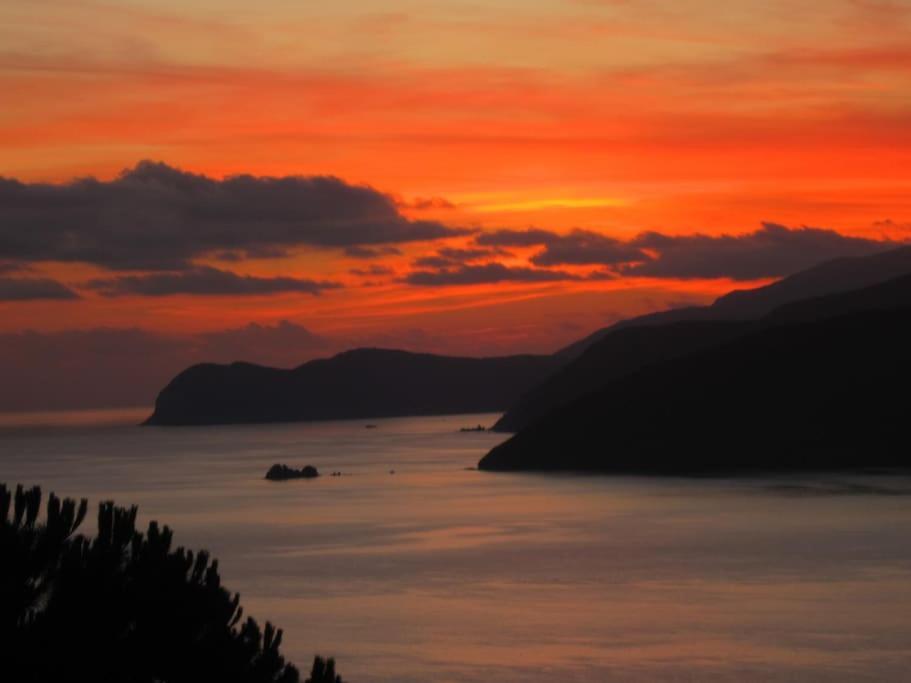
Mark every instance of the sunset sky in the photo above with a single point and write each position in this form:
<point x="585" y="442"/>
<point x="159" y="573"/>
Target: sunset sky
<point x="274" y="181"/>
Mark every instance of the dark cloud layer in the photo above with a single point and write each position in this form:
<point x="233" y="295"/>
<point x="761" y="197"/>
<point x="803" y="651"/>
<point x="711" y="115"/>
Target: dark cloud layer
<point x="34" y="288"/>
<point x="9" y="267"/>
<point x="372" y="271"/>
<point x="517" y="238"/>
<point x="582" y="247"/>
<point x="484" y="274"/>
<point x="468" y="255"/>
<point x="433" y="262"/>
<point x="449" y="257"/>
<point x="772" y="251"/>
<point x="579" y="247"/>
<point x="252" y="253"/>
<point x="158" y="218"/>
<point x="371" y="252"/>
<point x="155" y="217"/>
<point x="205" y="281"/>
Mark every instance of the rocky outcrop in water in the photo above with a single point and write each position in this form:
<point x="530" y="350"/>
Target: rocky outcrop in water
<point x="282" y="473"/>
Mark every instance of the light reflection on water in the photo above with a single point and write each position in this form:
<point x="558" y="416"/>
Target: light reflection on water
<point x="438" y="573"/>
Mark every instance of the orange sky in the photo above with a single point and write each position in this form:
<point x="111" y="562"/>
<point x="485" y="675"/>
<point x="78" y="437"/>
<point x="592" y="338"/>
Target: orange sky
<point x="616" y="117"/>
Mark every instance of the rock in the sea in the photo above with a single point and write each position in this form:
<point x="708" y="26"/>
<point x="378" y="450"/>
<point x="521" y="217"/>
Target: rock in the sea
<point x="283" y="472"/>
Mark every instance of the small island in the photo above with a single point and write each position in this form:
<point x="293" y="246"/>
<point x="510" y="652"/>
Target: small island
<point x="283" y="473"/>
<point x="479" y="428"/>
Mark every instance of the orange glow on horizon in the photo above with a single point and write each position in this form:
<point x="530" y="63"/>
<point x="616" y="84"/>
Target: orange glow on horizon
<point x="615" y="118"/>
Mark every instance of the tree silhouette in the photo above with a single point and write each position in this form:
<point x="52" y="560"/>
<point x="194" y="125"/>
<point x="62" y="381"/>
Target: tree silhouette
<point x="323" y="671"/>
<point x="124" y="606"/>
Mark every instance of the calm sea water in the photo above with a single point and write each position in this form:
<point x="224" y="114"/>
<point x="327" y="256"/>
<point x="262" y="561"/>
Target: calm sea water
<point x="441" y="573"/>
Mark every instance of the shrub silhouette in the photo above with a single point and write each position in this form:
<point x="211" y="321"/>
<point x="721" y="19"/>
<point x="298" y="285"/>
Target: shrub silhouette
<point x="123" y="606"/>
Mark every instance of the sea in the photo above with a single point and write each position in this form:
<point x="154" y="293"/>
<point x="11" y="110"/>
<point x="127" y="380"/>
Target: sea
<point x="413" y="566"/>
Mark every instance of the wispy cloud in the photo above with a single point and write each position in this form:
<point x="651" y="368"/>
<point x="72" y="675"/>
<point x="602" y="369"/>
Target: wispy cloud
<point x="33" y="289"/>
<point x="771" y="251"/>
<point x="205" y="281"/>
<point x="484" y="274"/>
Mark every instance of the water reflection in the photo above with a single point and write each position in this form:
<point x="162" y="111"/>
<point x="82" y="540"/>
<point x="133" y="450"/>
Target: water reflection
<point x="439" y="573"/>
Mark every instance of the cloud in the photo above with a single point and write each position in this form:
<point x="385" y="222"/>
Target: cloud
<point x="285" y="344"/>
<point x="34" y="288"/>
<point x="450" y="257"/>
<point x="516" y="238"/>
<point x="426" y="204"/>
<point x="772" y="251"/>
<point x="371" y="252"/>
<point x="372" y="271"/>
<point x="205" y="281"/>
<point x="9" y="267"/>
<point x="433" y="262"/>
<point x="252" y="253"/>
<point x="466" y="255"/>
<point x="156" y="217"/>
<point x="583" y="247"/>
<point x="484" y="274"/>
<point x="579" y="247"/>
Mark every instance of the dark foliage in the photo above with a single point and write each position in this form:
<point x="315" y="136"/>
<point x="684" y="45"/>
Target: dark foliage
<point x="124" y="606"/>
<point x="323" y="671"/>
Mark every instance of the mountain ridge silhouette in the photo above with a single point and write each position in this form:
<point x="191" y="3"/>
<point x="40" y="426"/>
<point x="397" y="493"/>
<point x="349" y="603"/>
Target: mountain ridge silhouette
<point x="816" y="384"/>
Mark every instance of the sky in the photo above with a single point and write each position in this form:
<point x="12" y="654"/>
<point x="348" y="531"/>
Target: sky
<point x="278" y="181"/>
